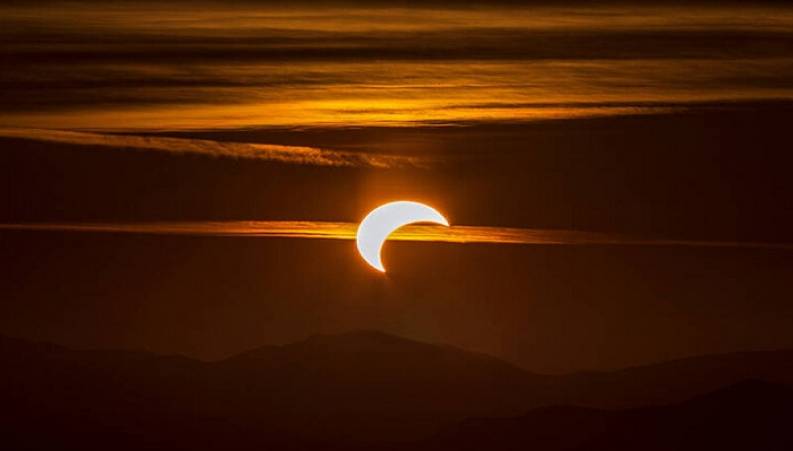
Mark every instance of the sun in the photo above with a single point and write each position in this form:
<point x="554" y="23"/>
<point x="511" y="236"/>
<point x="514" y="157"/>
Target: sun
<point x="385" y="219"/>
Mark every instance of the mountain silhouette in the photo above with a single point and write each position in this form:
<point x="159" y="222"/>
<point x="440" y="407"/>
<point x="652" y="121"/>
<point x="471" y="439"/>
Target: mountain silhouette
<point x="358" y="389"/>
<point x="353" y="388"/>
<point x="749" y="415"/>
<point x="674" y="381"/>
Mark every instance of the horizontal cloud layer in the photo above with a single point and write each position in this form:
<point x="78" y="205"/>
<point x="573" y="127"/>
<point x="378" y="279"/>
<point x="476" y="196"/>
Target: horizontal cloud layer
<point x="153" y="66"/>
<point x="415" y="232"/>
<point x="255" y="151"/>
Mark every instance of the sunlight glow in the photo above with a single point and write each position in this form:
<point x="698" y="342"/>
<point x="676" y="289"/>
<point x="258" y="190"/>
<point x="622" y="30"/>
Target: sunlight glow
<point x="383" y="220"/>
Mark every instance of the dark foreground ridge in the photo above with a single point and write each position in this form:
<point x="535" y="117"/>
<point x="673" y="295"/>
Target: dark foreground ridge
<point x="374" y="390"/>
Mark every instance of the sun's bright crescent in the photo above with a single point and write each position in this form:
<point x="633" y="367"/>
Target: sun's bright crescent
<point x="383" y="220"/>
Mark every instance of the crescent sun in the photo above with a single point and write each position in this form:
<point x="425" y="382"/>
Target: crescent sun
<point x="383" y="220"/>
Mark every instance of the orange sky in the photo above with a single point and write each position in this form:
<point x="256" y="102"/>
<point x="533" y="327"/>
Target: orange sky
<point x="159" y="66"/>
<point x="638" y="216"/>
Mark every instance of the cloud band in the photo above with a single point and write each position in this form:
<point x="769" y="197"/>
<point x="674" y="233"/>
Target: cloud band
<point x="347" y="230"/>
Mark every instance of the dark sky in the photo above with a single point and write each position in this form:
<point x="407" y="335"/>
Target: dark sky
<point x="659" y="122"/>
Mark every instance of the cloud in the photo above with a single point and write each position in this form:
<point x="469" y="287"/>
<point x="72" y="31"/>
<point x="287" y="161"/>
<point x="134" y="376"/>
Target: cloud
<point x="347" y="231"/>
<point x="254" y="151"/>
<point x="92" y="65"/>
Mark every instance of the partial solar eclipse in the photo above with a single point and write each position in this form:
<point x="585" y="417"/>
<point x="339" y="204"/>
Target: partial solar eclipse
<point x="383" y="220"/>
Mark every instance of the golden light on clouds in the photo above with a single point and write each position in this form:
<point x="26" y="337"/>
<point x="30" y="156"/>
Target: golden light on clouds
<point x="254" y="151"/>
<point x="414" y="232"/>
<point x="239" y="66"/>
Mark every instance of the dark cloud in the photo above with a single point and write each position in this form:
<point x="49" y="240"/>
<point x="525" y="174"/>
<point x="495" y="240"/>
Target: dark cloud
<point x="458" y="43"/>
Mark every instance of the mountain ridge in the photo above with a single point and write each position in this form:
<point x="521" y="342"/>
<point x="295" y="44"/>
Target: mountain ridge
<point x="354" y="389"/>
<point x="750" y="414"/>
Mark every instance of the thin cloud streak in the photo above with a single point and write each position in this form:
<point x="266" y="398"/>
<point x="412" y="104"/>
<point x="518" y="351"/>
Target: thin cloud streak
<point x="254" y="151"/>
<point x="347" y="231"/>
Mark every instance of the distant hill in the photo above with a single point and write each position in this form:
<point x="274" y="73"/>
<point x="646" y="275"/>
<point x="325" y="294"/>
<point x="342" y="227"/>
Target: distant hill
<point x="674" y="381"/>
<point x="353" y="389"/>
<point x="750" y="415"/>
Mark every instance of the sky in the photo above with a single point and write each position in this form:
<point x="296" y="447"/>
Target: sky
<point x="650" y="140"/>
<point x="162" y="65"/>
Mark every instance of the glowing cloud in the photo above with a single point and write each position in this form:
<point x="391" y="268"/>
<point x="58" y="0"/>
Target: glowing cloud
<point x="412" y="232"/>
<point x="254" y="151"/>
